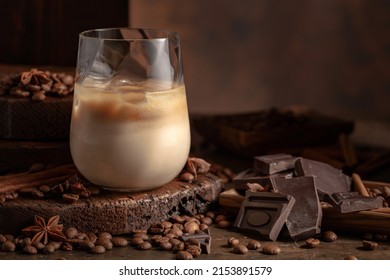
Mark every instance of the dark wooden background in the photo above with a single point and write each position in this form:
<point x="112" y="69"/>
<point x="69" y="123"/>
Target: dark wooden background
<point x="45" y="32"/>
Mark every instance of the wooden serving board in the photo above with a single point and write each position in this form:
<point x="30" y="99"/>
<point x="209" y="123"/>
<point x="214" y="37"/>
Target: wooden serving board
<point x="117" y="213"/>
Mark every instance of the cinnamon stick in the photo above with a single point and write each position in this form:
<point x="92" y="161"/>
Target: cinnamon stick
<point x="15" y="182"/>
<point x="359" y="186"/>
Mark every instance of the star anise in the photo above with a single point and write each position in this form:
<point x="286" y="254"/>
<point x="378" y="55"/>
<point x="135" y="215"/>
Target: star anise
<point x="45" y="232"/>
<point x="34" y="77"/>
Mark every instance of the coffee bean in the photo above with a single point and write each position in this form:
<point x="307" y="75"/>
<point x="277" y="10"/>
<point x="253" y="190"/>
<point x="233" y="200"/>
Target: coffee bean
<point x="206" y="220"/>
<point x="2" y="238"/>
<point x="232" y="242"/>
<point x="36" y="167"/>
<point x="8" y="246"/>
<point x="66" y="246"/>
<point x="312" y="243"/>
<point x="219" y="218"/>
<point x="9" y="237"/>
<point x="224" y="224"/>
<point x="25" y="242"/>
<point x="55" y="244"/>
<point x="39" y="245"/>
<point x="71" y="232"/>
<point x="178" y="226"/>
<point x="174" y="241"/>
<point x="166" y="245"/>
<point x="191" y="227"/>
<point x="350" y="257"/>
<point x="82" y="236"/>
<point x="184" y="255"/>
<point x="192" y="242"/>
<point x="141" y="235"/>
<point x="136" y="240"/>
<point x="271" y="249"/>
<point x="240" y="249"/>
<point x="187" y="177"/>
<point x="156" y="229"/>
<point x="119" y="242"/>
<point x="105" y="235"/>
<point x="91" y="237"/>
<point x="37" y="194"/>
<point x="369" y="245"/>
<point x="48" y="249"/>
<point x="167" y="224"/>
<point x="210" y="214"/>
<point x="194" y="250"/>
<point x="70" y="197"/>
<point x="253" y="244"/>
<point x="176" y="231"/>
<point x="86" y="245"/>
<point x="146" y="245"/>
<point x="178" y="247"/>
<point x="203" y="227"/>
<point x="329" y="236"/>
<point x="30" y="250"/>
<point x="105" y="242"/>
<point x="39" y="96"/>
<point x="44" y="188"/>
<point x="97" y="250"/>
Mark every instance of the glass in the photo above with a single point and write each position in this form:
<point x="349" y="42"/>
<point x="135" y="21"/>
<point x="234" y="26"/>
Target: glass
<point x="130" y="127"/>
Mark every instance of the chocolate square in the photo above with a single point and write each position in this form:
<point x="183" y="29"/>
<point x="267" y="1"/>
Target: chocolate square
<point x="204" y="239"/>
<point x="275" y="163"/>
<point x="346" y="202"/>
<point x="306" y="216"/>
<point x="264" y="213"/>
<point x="327" y="178"/>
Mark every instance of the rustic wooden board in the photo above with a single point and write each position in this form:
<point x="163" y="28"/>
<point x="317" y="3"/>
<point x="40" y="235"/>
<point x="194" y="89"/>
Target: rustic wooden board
<point x="117" y="213"/>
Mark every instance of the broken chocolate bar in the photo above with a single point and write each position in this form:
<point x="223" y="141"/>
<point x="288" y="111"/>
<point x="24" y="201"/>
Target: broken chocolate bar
<point x="305" y="217"/>
<point x="275" y="163"/>
<point x="264" y="213"/>
<point x="346" y="202"/>
<point x="327" y="178"/>
<point x="204" y="239"/>
<point x="250" y="176"/>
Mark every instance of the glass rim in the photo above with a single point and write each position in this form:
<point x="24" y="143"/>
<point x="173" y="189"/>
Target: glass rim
<point x="158" y="34"/>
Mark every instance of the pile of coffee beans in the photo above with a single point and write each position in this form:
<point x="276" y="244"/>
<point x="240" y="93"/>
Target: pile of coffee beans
<point x="185" y="236"/>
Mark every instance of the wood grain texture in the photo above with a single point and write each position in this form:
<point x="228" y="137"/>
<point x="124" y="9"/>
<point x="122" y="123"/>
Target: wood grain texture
<point x="117" y="213"/>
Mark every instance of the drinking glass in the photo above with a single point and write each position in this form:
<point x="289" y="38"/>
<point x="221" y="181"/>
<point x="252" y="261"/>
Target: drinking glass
<point x="130" y="127"/>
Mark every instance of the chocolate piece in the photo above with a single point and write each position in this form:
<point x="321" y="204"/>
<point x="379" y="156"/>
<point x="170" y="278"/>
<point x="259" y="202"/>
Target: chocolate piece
<point x="204" y="239"/>
<point x="271" y="164"/>
<point x="346" y="202"/>
<point x="250" y="176"/>
<point x="264" y="213"/>
<point x="306" y="215"/>
<point x="328" y="179"/>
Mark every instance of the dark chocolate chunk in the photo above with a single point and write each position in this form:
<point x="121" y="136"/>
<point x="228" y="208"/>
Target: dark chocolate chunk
<point x="346" y="202"/>
<point x="305" y="217"/>
<point x="327" y="178"/>
<point x="271" y="164"/>
<point x="264" y="213"/>
<point x="203" y="237"/>
<point x="250" y="176"/>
